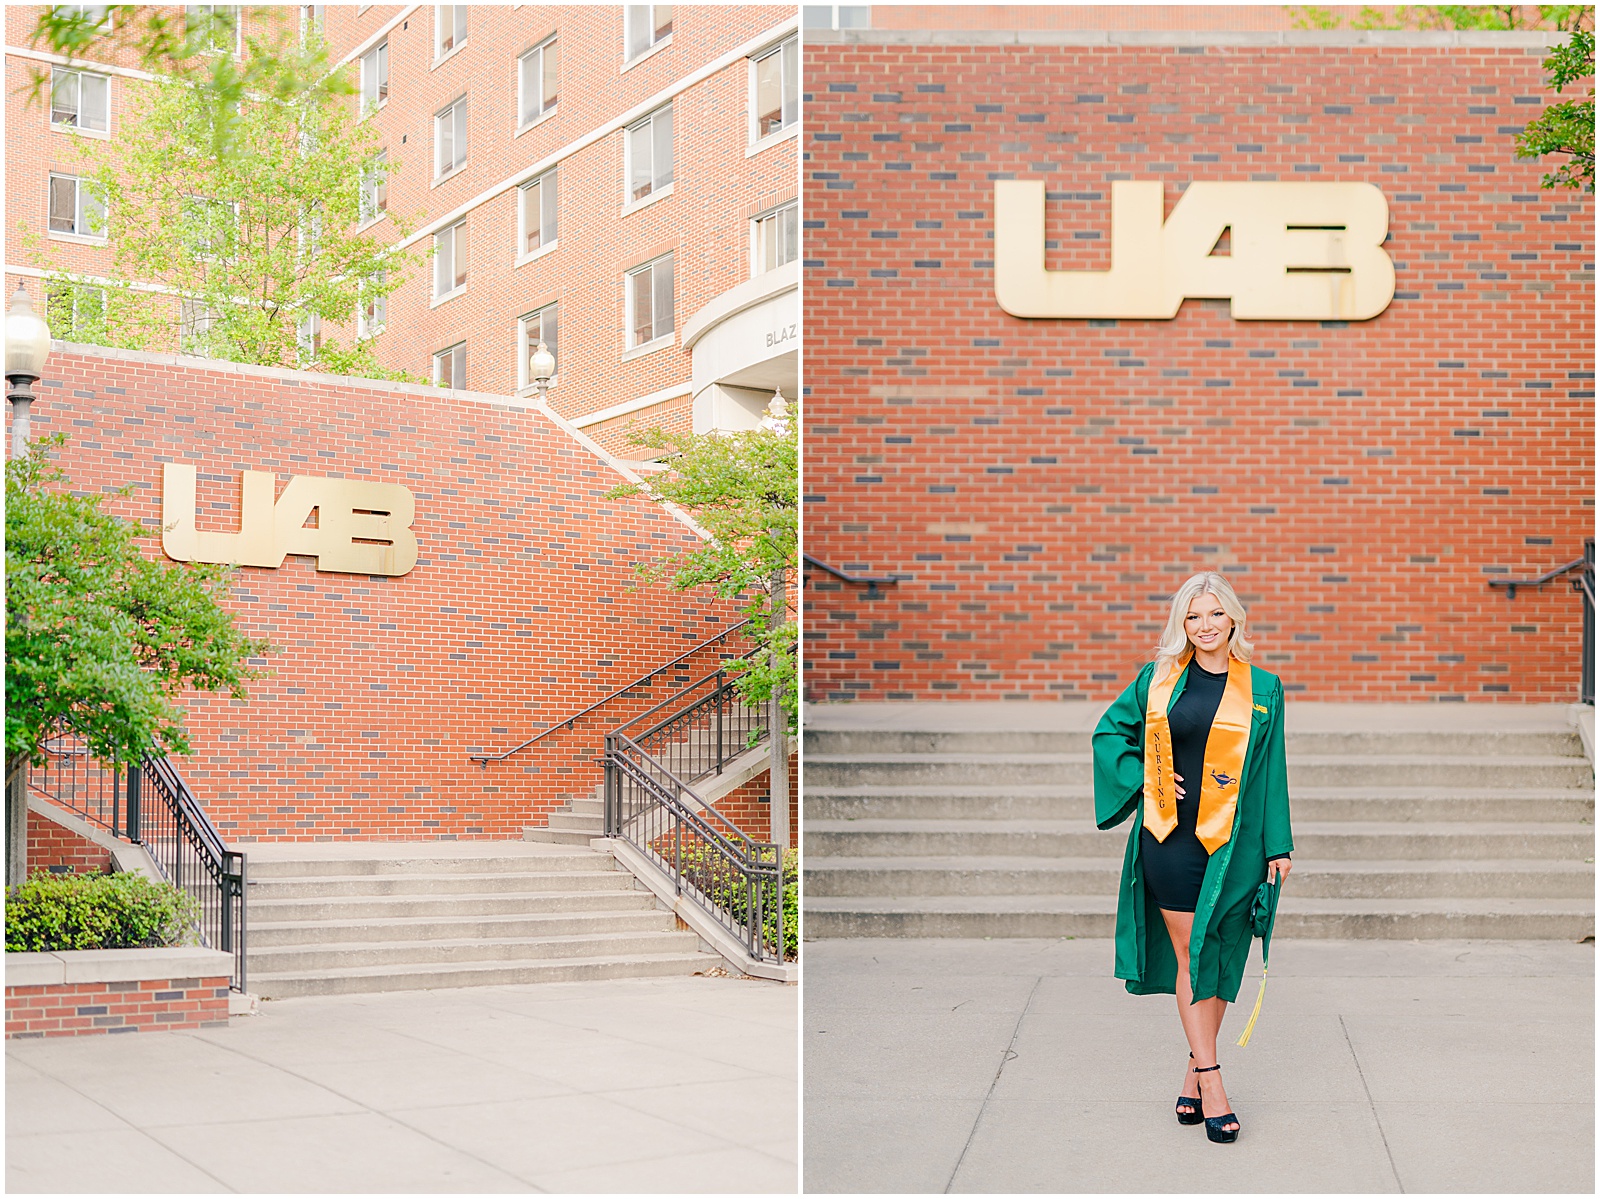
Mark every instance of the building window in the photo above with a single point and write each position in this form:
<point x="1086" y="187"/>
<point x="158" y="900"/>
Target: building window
<point x="536" y="327"/>
<point x="450" y="366"/>
<point x="80" y="100"/>
<point x="375" y="188"/>
<point x="74" y="208"/>
<point x="220" y="30"/>
<point x="539" y="213"/>
<point x="450" y="138"/>
<point x="647" y="25"/>
<point x="95" y="12"/>
<point x="209" y="226"/>
<point x="74" y="309"/>
<point x="777" y="89"/>
<point x="313" y="19"/>
<point x="777" y="238"/>
<point x="310" y="337"/>
<point x="450" y="260"/>
<point x="196" y="322"/>
<point x="539" y="80"/>
<point x="374" y="307"/>
<point x="449" y="28"/>
<point x="649" y="155"/>
<point x="375" y="77"/>
<point x="836" y="16"/>
<point x="649" y="296"/>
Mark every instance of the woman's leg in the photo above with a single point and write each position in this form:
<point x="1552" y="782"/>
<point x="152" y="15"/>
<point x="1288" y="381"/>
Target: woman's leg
<point x="1201" y="1021"/>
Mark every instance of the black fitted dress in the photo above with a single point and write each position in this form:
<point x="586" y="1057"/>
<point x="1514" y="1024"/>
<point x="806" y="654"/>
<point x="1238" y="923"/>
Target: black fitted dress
<point x="1174" y="869"/>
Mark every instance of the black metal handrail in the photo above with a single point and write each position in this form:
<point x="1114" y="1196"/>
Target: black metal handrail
<point x="708" y="859"/>
<point x="484" y="759"/>
<point x="708" y="727"/>
<point x="1511" y="585"/>
<point x="871" y="581"/>
<point x="151" y="805"/>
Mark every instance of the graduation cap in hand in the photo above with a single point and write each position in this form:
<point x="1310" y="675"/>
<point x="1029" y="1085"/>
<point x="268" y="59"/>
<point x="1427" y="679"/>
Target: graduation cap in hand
<point x="1263" y="912"/>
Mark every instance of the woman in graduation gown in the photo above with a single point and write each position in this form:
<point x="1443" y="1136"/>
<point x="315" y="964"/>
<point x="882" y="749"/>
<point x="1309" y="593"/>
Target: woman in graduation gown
<point x="1194" y="750"/>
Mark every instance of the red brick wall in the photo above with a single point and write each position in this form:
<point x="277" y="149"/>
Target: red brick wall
<point x="82" y="1009"/>
<point x="59" y="850"/>
<point x="524" y="606"/>
<point x="1044" y="485"/>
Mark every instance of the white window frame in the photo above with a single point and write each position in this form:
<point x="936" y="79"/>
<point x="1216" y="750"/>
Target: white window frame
<point x="658" y="190"/>
<point x="197" y="317"/>
<point x="59" y="75"/>
<point x="630" y="14"/>
<point x="551" y="181"/>
<point x="757" y="257"/>
<point x="458" y="31"/>
<point x="540" y="53"/>
<point x="375" y="190"/>
<point x="658" y="338"/>
<point x="238" y="25"/>
<point x="527" y="344"/>
<point x="375" y="69"/>
<point x="378" y="321"/>
<point x="80" y="215"/>
<point x="456" y="114"/>
<point x="446" y="243"/>
<point x="313" y="14"/>
<point x="810" y="12"/>
<point x="75" y="293"/>
<point x="788" y="48"/>
<point x="308" y="338"/>
<point x="450" y="350"/>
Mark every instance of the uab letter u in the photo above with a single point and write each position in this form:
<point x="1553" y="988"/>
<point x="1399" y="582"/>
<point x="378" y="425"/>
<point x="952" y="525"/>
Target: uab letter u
<point x="362" y="527"/>
<point x="1299" y="252"/>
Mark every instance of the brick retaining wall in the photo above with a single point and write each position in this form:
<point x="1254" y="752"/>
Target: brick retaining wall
<point x="147" y="1005"/>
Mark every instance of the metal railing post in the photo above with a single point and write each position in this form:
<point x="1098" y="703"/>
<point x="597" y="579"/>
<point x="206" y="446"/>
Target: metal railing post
<point x="1586" y="585"/>
<point x="719" y="701"/>
<point x="135" y="776"/>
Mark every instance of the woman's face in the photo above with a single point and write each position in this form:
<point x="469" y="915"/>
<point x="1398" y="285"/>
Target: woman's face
<point x="1207" y="625"/>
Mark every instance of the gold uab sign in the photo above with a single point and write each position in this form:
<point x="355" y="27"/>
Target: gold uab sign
<point x="362" y="528"/>
<point x="1298" y="252"/>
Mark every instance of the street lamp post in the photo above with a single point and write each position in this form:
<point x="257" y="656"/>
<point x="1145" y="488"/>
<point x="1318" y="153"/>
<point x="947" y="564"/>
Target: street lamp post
<point x="27" y="347"/>
<point x="541" y="366"/>
<point x="776" y="420"/>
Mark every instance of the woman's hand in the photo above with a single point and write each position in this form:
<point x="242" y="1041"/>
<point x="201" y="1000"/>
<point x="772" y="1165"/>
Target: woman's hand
<point x="1278" y="870"/>
<point x="1177" y="780"/>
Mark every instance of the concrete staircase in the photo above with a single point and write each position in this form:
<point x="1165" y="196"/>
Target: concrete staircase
<point x="338" y="918"/>
<point x="1410" y="822"/>
<point x="576" y="822"/>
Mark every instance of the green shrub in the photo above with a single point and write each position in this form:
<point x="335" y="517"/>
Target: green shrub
<point x="97" y="911"/>
<point x="699" y="868"/>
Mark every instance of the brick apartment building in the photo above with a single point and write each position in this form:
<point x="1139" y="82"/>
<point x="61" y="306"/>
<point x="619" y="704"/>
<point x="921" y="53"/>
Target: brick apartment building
<point x="618" y="180"/>
<point x="1037" y="486"/>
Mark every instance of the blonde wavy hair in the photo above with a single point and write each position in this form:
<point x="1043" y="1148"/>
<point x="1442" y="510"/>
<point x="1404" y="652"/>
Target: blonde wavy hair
<point x="1174" y="641"/>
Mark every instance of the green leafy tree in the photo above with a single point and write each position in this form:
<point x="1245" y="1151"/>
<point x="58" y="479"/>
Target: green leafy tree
<point x="743" y="489"/>
<point x="1566" y="127"/>
<point x="100" y="639"/>
<point x="1447" y="16"/>
<point x="237" y="200"/>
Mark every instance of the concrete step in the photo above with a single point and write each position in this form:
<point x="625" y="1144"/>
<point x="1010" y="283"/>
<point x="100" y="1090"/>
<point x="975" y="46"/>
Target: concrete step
<point x="1076" y="802"/>
<point x="578" y="822"/>
<point x="1298" y="916"/>
<point x="1079" y="838"/>
<point x="264" y="868"/>
<point x="1394" y="878"/>
<point x="642" y="918"/>
<point x="559" y="836"/>
<point x="268" y="911"/>
<point x="1474" y="744"/>
<point x="826" y="771"/>
<point x="331" y="886"/>
<point x="294" y="959"/>
<point x="364" y="979"/>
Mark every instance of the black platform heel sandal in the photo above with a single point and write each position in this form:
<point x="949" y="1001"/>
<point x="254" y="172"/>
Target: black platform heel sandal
<point x="1214" y="1130"/>
<point x="1188" y="1108"/>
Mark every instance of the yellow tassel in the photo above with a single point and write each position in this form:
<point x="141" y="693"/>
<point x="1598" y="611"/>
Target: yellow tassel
<point x="1244" y="1037"/>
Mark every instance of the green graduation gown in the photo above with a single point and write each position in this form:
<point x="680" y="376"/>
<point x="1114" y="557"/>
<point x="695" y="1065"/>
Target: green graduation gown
<point x="1221" y="941"/>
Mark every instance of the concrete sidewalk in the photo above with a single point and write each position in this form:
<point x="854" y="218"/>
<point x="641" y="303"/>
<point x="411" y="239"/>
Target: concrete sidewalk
<point x="1023" y="1066"/>
<point x="633" y="1085"/>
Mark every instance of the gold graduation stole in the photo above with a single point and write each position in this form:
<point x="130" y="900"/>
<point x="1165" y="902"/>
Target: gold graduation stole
<point x="1224" y="759"/>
